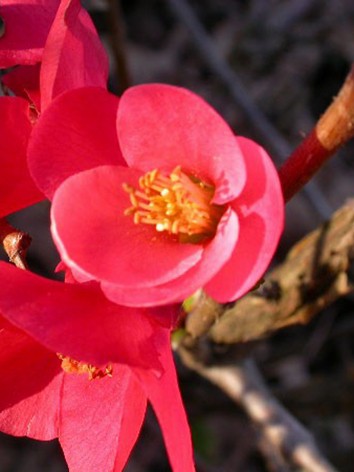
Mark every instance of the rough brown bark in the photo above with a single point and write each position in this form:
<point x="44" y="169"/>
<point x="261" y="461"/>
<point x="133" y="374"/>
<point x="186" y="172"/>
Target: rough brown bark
<point x="317" y="271"/>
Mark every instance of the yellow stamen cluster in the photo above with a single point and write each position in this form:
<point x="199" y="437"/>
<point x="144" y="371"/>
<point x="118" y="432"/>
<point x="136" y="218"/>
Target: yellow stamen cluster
<point x="178" y="204"/>
<point x="71" y="366"/>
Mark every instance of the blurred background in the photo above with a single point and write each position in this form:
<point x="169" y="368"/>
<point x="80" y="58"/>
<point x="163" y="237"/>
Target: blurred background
<point x="270" y="68"/>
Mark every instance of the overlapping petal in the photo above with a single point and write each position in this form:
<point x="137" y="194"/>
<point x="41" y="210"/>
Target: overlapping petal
<point x="78" y="321"/>
<point x="105" y="416"/>
<point x="97" y="421"/>
<point x="215" y="254"/>
<point x="160" y="126"/>
<point x="77" y="132"/>
<point x="74" y="56"/>
<point x="261" y="212"/>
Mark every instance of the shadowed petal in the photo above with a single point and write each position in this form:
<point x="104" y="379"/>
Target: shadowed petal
<point x="23" y="81"/>
<point x="100" y="420"/>
<point x="78" y="321"/>
<point x="30" y="384"/>
<point x="172" y="417"/>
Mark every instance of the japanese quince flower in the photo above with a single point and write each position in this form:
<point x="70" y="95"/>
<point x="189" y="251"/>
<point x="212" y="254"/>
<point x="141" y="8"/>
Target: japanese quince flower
<point x="156" y="197"/>
<point x="78" y="367"/>
<point x="44" y="39"/>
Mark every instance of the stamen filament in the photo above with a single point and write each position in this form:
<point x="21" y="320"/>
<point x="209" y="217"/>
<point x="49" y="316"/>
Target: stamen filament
<point x="178" y="204"/>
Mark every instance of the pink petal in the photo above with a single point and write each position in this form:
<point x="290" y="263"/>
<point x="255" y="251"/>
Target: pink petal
<point x="76" y="133"/>
<point x="77" y="320"/>
<point x="164" y="395"/>
<point x="29" y="386"/>
<point x="23" y="81"/>
<point x="26" y="29"/>
<point x="161" y="126"/>
<point x="17" y="190"/>
<point x="100" y="420"/>
<point x="95" y="238"/>
<point x="216" y="253"/>
<point x="260" y="209"/>
<point x="73" y="56"/>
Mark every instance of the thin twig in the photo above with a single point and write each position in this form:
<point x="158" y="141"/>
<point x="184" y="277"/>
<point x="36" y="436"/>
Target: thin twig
<point x="333" y="130"/>
<point x="117" y="39"/>
<point x="15" y="244"/>
<point x="244" y="384"/>
<point x="259" y="121"/>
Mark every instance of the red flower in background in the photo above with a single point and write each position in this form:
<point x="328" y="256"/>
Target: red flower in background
<point x="97" y="421"/>
<point x="55" y="36"/>
<point x="188" y="205"/>
<point x="43" y="41"/>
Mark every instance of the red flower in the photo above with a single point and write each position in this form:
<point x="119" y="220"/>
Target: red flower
<point x="67" y="36"/>
<point x="97" y="421"/>
<point x="197" y="206"/>
<point x="53" y="38"/>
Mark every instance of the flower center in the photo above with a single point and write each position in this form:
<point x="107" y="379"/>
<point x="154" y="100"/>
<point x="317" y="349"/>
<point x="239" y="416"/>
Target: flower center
<point x="178" y="204"/>
<point x="71" y="366"/>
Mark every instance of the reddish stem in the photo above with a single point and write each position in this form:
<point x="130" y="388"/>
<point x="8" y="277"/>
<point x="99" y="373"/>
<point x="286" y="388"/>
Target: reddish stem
<point x="333" y="130"/>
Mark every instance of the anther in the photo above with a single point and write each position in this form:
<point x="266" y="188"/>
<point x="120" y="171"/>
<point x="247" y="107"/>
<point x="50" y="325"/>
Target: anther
<point x="71" y="366"/>
<point x="178" y="204"/>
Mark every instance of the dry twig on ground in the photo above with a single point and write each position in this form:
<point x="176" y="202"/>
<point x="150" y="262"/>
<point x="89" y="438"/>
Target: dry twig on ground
<point x="282" y="432"/>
